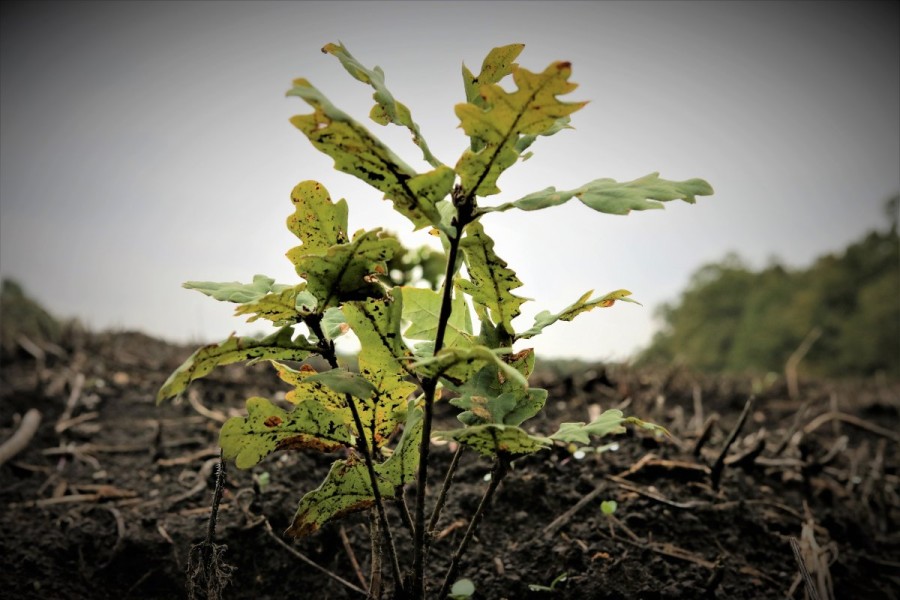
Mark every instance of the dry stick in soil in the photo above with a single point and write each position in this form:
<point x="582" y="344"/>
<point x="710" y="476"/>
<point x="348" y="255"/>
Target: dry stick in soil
<point x="309" y="561"/>
<point x="208" y="574"/>
<point x="719" y="465"/>
<point x="501" y="466"/>
<point x="20" y="439"/>
<point x="798" y="555"/>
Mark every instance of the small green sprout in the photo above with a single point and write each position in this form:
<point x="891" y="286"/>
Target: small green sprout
<point x="534" y="587"/>
<point x="462" y="589"/>
<point x="608" y="507"/>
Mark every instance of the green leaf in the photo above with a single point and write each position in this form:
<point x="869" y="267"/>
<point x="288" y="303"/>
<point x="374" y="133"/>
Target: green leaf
<point x="334" y="323"/>
<point x="346" y="271"/>
<point x="317" y="221"/>
<point x="492" y="439"/>
<point x="422" y="308"/>
<point x="359" y="153"/>
<point x="344" y="382"/>
<point x="612" y="197"/>
<point x="509" y="408"/>
<point x="233" y="291"/>
<point x="279" y="307"/>
<point x="490" y="396"/>
<point x="268" y="428"/>
<point x="279" y="346"/>
<point x="347" y="488"/>
<point x="608" y="507"/>
<point x="490" y="280"/>
<point x="386" y="109"/>
<point x="607" y="423"/>
<point x="461" y="589"/>
<point x="545" y="318"/>
<point x="460" y="364"/>
<point x="526" y="141"/>
<point x="498" y="124"/>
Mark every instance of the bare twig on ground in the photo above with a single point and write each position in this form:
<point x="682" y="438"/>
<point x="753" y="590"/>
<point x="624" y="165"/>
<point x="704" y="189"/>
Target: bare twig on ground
<point x="719" y="465"/>
<point x="851" y="420"/>
<point x="348" y="548"/>
<point x="194" y="401"/>
<point x="790" y="367"/>
<point x="705" y="434"/>
<point x="71" y="403"/>
<point x="560" y="521"/>
<point x="308" y="561"/>
<point x="804" y="572"/>
<point x="20" y="439"/>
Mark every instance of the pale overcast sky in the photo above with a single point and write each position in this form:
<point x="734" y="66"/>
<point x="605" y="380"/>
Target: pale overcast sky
<point x="146" y="144"/>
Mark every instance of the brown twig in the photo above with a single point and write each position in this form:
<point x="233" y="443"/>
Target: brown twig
<point x="348" y="548"/>
<point x="501" y="466"/>
<point x="71" y="403"/>
<point x="560" y="521"/>
<point x="309" y="561"/>
<point x="804" y="572"/>
<point x="705" y="434"/>
<point x="718" y="466"/>
<point x="20" y="439"/>
<point x="654" y="496"/>
<point x="790" y="367"/>
<point x="851" y="420"/>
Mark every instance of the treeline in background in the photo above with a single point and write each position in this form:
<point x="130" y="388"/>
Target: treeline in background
<point x="845" y="309"/>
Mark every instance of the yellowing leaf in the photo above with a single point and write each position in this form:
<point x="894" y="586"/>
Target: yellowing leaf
<point x="387" y="109"/>
<point x="278" y="307"/>
<point x="532" y="109"/>
<point x="268" y="428"/>
<point x="377" y="325"/>
<point x="348" y="489"/>
<point x="490" y="280"/>
<point x="317" y="221"/>
<point x="278" y="346"/>
<point x="343" y="272"/>
<point x="359" y="153"/>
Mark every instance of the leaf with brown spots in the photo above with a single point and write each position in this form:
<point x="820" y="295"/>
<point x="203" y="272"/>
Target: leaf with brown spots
<point x="347" y="487"/>
<point x="278" y="346"/>
<point x="490" y="281"/>
<point x="357" y="152"/>
<point x="268" y="428"/>
<point x="545" y="318"/>
<point x="342" y="272"/>
<point x="501" y="118"/>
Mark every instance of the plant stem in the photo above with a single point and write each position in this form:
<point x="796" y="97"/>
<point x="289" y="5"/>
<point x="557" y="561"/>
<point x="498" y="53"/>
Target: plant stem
<point x="442" y="497"/>
<point x="501" y="466"/>
<point x="429" y="387"/>
<point x="327" y="347"/>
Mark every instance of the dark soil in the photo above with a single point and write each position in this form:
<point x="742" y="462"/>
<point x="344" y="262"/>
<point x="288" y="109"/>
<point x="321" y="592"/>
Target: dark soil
<point x="110" y="495"/>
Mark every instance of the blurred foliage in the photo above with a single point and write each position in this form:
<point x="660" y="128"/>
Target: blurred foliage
<point x="732" y="318"/>
<point x="23" y="318"/>
<point x="416" y="266"/>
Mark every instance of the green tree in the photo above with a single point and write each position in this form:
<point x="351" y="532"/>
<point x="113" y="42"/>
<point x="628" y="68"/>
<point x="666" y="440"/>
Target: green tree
<point x="731" y="318"/>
